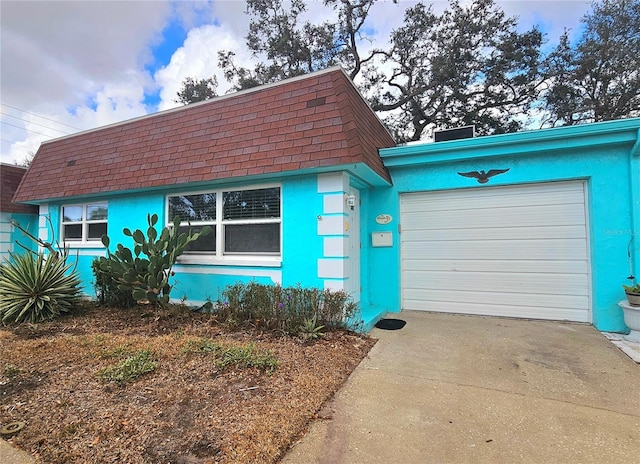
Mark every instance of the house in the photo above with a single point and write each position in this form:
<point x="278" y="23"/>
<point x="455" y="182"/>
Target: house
<point x="26" y="215"/>
<point x="302" y="184"/>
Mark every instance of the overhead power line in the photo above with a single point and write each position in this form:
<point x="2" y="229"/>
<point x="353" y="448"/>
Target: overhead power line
<point x="31" y="122"/>
<point x="27" y="130"/>
<point x="43" y="117"/>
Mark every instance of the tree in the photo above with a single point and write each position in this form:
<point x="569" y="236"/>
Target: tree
<point x="469" y="65"/>
<point x="291" y="48"/>
<point x="466" y="66"/>
<point x="599" y="78"/>
<point x="197" y="90"/>
<point x="27" y="160"/>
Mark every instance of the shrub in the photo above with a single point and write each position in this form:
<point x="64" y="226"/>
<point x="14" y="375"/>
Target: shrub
<point x="107" y="289"/>
<point x="35" y="287"/>
<point x="292" y="310"/>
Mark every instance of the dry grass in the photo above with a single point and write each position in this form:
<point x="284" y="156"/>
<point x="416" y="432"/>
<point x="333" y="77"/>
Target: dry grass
<point x="187" y="410"/>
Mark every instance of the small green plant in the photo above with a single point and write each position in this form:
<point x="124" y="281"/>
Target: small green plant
<point x="10" y="371"/>
<point x="145" y="271"/>
<point x="35" y="287"/>
<point x="310" y="330"/>
<point x="119" y="351"/>
<point x="635" y="288"/>
<point x="202" y="345"/>
<point x="131" y="368"/>
<point x="233" y="356"/>
<point x="247" y="356"/>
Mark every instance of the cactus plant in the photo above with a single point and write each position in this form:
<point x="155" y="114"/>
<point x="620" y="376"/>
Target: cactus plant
<point x="146" y="270"/>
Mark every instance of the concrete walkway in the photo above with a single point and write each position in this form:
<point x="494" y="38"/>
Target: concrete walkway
<point x="463" y="389"/>
<point x="11" y="455"/>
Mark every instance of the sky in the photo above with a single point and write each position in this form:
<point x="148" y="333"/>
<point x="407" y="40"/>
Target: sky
<point x="68" y="66"/>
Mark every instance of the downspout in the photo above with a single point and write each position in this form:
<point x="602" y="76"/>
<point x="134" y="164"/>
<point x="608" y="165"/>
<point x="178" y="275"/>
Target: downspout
<point x="634" y="186"/>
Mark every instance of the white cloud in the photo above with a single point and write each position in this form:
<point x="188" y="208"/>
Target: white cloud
<point x="198" y="58"/>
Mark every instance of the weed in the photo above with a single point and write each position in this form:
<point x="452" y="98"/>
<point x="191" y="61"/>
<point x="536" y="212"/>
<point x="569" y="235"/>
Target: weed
<point x="202" y="345"/>
<point x="248" y="356"/>
<point x="131" y="368"/>
<point x="10" y="371"/>
<point x="119" y="351"/>
<point x="233" y="356"/>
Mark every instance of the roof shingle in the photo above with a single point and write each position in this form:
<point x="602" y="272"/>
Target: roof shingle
<point x="10" y="177"/>
<point x="313" y="121"/>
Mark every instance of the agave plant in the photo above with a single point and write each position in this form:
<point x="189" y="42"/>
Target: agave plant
<point x="35" y="287"/>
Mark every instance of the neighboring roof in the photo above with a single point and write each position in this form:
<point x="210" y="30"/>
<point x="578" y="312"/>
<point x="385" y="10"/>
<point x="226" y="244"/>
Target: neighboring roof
<point x="10" y="177"/>
<point x="310" y="122"/>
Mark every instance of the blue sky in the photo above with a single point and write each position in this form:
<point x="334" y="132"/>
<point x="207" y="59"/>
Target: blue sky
<point x="75" y="65"/>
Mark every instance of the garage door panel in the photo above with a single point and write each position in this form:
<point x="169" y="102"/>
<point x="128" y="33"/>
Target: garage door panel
<point x="569" y="302"/>
<point x="496" y="265"/>
<point x="520" y="283"/>
<point x="559" y="192"/>
<point x="496" y="249"/>
<point x="498" y="233"/>
<point x="535" y="216"/>
<point x="491" y="250"/>
<point x="529" y="312"/>
<point x="472" y="202"/>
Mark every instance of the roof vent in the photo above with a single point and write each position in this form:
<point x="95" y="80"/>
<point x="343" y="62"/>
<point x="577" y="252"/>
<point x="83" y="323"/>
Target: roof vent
<point x="465" y="132"/>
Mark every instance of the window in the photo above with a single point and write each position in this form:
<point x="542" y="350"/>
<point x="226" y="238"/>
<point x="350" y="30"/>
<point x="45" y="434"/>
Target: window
<point x="84" y="223"/>
<point x="244" y="222"/>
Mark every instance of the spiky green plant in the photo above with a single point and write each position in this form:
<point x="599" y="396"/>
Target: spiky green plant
<point x="35" y="287"/>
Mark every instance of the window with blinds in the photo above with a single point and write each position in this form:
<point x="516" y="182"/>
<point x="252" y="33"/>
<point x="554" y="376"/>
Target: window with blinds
<point x="243" y="221"/>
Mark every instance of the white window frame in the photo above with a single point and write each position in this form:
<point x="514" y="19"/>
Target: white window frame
<point x="84" y="240"/>
<point x="220" y="257"/>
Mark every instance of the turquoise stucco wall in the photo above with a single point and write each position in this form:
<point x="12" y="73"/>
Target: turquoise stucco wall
<point x="195" y="284"/>
<point x="605" y="163"/>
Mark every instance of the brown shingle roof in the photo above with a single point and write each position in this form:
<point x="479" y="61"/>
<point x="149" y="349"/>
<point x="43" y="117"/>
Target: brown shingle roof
<point x="10" y="177"/>
<point x="314" y="121"/>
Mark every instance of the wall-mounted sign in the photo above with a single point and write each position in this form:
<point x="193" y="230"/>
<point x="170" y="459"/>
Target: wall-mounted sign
<point x="383" y="218"/>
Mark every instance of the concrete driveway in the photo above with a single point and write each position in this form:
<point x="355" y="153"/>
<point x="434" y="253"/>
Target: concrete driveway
<point x="465" y="389"/>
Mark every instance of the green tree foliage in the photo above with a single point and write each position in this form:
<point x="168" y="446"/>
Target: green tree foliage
<point x="598" y="79"/>
<point x="193" y="90"/>
<point x="468" y="65"/>
<point x="292" y="48"/>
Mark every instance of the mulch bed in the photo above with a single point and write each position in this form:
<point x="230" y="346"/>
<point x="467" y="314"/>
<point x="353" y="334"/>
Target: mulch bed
<point x="188" y="410"/>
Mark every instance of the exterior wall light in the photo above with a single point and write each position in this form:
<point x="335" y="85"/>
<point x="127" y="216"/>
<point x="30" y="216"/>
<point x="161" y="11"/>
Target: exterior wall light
<point x="351" y="200"/>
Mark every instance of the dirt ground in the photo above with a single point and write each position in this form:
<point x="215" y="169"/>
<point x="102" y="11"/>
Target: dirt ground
<point x="188" y="410"/>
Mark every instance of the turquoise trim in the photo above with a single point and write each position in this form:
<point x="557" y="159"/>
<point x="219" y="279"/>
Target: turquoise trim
<point x="516" y="144"/>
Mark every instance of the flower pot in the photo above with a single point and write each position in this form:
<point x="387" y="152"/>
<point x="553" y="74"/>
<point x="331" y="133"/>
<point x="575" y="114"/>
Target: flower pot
<point x="633" y="298"/>
<point x="631" y="320"/>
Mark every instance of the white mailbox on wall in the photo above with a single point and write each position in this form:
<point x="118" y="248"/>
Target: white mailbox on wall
<point x="381" y="239"/>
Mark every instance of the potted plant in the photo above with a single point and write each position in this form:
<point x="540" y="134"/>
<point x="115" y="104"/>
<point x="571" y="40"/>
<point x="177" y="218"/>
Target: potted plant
<point x="633" y="294"/>
<point x="631" y="310"/>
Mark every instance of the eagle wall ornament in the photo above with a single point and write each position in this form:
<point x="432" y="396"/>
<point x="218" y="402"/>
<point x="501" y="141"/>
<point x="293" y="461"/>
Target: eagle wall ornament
<point x="482" y="176"/>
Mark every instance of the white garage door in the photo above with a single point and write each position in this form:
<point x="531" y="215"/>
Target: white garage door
<point x="518" y="251"/>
